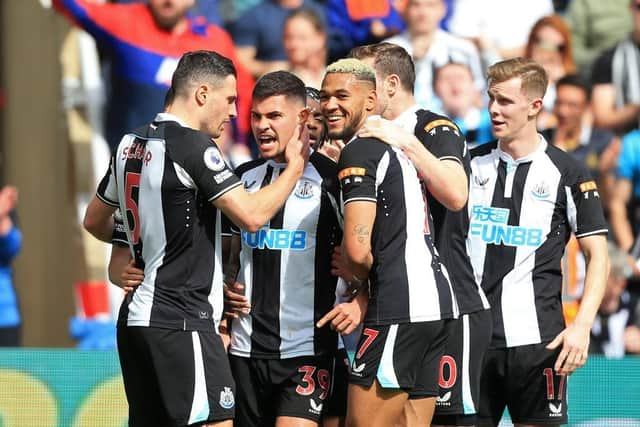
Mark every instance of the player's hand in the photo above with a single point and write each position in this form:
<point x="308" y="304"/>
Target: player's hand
<point x="8" y="199"/>
<point x="298" y="150"/>
<point x="235" y="303"/>
<point x="346" y="317"/>
<point x="131" y="277"/>
<point x="331" y="149"/>
<point x="575" y="346"/>
<point x="388" y="132"/>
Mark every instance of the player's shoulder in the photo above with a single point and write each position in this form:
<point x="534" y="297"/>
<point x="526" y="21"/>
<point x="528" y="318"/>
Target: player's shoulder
<point x="564" y="161"/>
<point x="428" y="120"/>
<point x="326" y="167"/>
<point x="483" y="150"/>
<point x="367" y="147"/>
<point x="248" y="166"/>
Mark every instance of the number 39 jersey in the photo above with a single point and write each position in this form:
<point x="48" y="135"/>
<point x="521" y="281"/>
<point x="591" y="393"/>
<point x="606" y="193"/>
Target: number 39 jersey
<point x="522" y="214"/>
<point x="164" y="178"/>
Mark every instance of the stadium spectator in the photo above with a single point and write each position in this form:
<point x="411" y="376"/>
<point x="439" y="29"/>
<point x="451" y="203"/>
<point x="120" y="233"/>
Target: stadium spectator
<point x="257" y="34"/>
<point x="499" y="28"/>
<point x="596" y="148"/>
<point x="144" y="43"/>
<point x="431" y="47"/>
<point x="462" y="101"/>
<point x="305" y="43"/>
<point x="357" y="23"/>
<point x="596" y="25"/>
<point x="617" y="325"/>
<point x="616" y="79"/>
<point x="549" y="44"/>
<point x="10" y="244"/>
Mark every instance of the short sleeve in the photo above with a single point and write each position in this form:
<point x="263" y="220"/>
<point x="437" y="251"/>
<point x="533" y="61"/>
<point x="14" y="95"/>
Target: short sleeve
<point x="201" y="159"/>
<point x="357" y="169"/>
<point x="585" y="207"/>
<point x="119" y="235"/>
<point x="441" y="137"/>
<point x="107" y="189"/>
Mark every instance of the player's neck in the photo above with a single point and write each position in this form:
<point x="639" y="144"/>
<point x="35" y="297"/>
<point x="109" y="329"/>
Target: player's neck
<point x="521" y="145"/>
<point x="400" y="103"/>
<point x="183" y="113"/>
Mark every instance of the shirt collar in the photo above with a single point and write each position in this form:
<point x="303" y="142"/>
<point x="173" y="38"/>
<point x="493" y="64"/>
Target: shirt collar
<point x="168" y="117"/>
<point x="408" y="119"/>
<point x="542" y="146"/>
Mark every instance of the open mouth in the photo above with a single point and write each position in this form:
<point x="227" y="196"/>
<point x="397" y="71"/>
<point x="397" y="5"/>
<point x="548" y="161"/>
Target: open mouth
<point x="266" y="141"/>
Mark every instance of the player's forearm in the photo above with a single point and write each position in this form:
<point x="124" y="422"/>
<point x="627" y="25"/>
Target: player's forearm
<point x="616" y="118"/>
<point x="266" y="202"/>
<point x="445" y="180"/>
<point x="597" y="271"/>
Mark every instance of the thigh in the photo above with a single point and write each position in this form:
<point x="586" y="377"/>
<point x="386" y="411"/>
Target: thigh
<point x="374" y="406"/>
<point x="493" y="387"/>
<point x="253" y="391"/>
<point x="395" y="354"/>
<point x="460" y="369"/>
<point x="303" y="385"/>
<point x="539" y="394"/>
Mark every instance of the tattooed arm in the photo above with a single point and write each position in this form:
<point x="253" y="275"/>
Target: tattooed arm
<point x="358" y="223"/>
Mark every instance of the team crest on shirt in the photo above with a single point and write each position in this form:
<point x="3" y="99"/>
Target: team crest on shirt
<point x="226" y="398"/>
<point x="541" y="190"/>
<point x="304" y="190"/>
<point x="213" y="159"/>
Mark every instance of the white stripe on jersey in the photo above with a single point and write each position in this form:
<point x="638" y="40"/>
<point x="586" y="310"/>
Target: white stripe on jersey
<point x="467" y="398"/>
<point x="200" y="403"/>
<point x="153" y="250"/>
<point x="572" y="211"/>
<point x="217" y="285"/>
<point x="386" y="374"/>
<point x="518" y="295"/>
<point x="297" y="297"/>
<point x="423" y="301"/>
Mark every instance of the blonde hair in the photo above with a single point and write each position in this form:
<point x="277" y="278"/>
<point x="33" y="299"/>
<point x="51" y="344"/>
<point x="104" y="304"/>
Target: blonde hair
<point x="359" y="69"/>
<point x="533" y="76"/>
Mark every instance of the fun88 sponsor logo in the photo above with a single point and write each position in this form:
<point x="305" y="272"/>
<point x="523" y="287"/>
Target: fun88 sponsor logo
<point x="491" y="225"/>
<point x="275" y="239"/>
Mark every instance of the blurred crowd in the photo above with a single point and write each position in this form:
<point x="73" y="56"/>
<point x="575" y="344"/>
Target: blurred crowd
<point x="589" y="48"/>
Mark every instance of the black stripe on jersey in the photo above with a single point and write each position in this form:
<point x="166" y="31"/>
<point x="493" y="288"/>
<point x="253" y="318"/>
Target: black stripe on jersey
<point x="325" y="282"/>
<point x="265" y="293"/>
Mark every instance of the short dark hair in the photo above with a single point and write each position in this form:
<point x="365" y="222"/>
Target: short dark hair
<point x="389" y="58"/>
<point x="575" y="80"/>
<point x="198" y="67"/>
<point x="280" y="83"/>
<point x="313" y="93"/>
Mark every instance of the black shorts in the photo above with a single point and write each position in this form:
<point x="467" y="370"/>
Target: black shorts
<point x="175" y="377"/>
<point x="402" y="356"/>
<point x="337" y="402"/>
<point x="11" y="336"/>
<point x="522" y="379"/>
<point x="271" y="388"/>
<point x="460" y="369"/>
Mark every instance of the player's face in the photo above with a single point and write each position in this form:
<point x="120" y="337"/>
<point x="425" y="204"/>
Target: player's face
<point x="315" y="123"/>
<point x="346" y="103"/>
<point x="511" y="109"/>
<point x="220" y="107"/>
<point x="167" y="13"/>
<point x="301" y="40"/>
<point x="454" y="86"/>
<point x="274" y="120"/>
<point x="571" y="103"/>
<point x="424" y="16"/>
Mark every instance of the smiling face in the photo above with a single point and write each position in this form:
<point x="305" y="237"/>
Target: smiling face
<point x="512" y="111"/>
<point x="274" y="120"/>
<point x="346" y="103"/>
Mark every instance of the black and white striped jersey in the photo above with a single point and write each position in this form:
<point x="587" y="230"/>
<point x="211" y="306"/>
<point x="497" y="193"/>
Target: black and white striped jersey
<point x="444" y="140"/>
<point x="522" y="213"/>
<point x="286" y="266"/>
<point x="163" y="177"/>
<point x="407" y="281"/>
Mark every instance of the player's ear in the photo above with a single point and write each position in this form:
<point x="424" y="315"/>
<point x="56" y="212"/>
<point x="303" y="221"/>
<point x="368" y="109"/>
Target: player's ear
<point x="201" y="94"/>
<point x="535" y="107"/>
<point x="303" y="115"/>
<point x="391" y="84"/>
<point x="371" y="100"/>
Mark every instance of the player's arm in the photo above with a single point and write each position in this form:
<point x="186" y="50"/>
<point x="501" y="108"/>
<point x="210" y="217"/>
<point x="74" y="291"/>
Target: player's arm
<point x="358" y="224"/>
<point x="620" y="197"/>
<point x="235" y="301"/>
<point x="252" y="211"/>
<point x="445" y="178"/>
<point x="98" y="219"/>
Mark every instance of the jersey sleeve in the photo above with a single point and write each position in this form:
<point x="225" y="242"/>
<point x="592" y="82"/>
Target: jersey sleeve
<point x="107" y="189"/>
<point x="584" y="208"/>
<point x="200" y="157"/>
<point x="357" y="170"/>
<point x="441" y="137"/>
